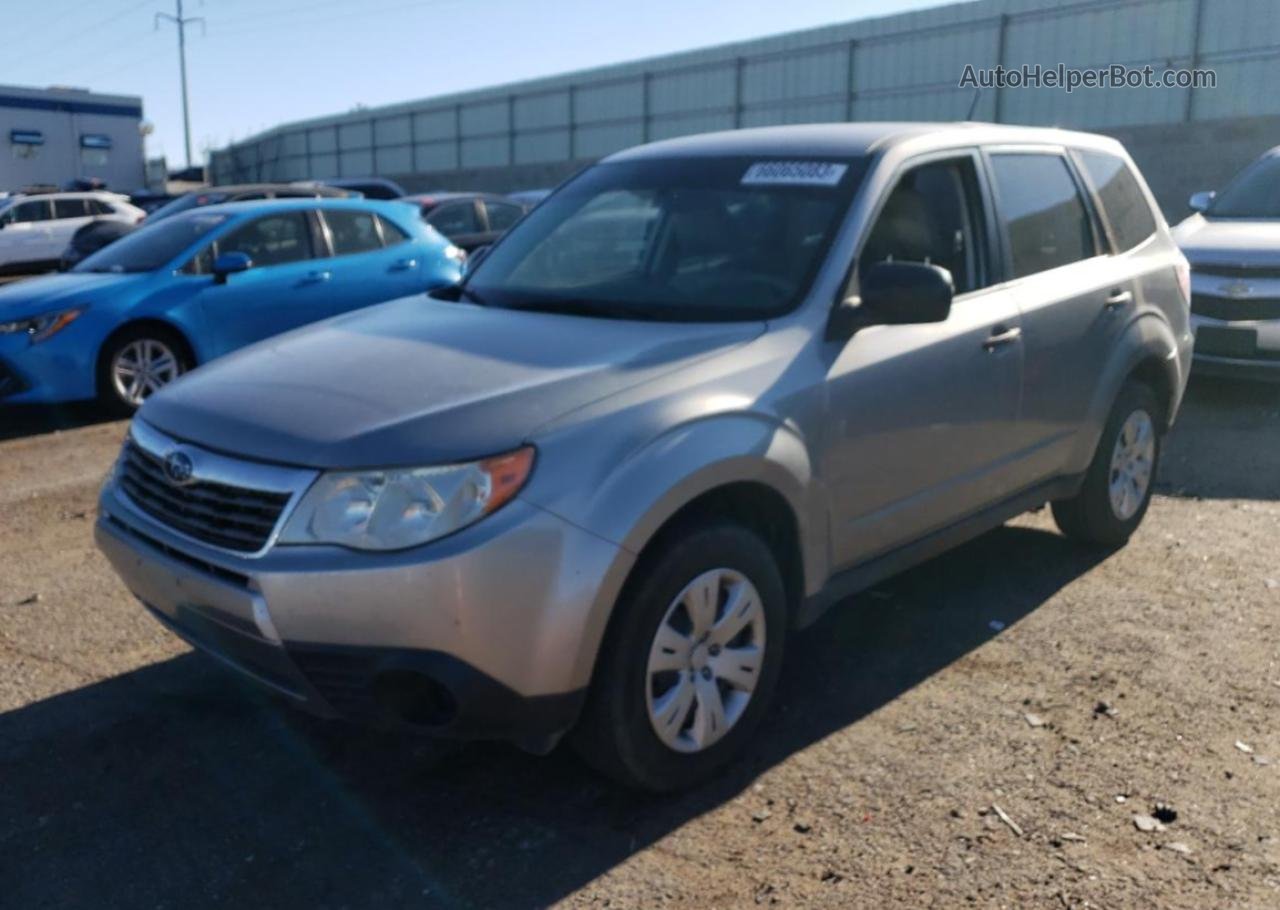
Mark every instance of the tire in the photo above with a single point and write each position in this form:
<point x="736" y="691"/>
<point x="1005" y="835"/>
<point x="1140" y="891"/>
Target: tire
<point x="1093" y="515"/>
<point x="616" y="734"/>
<point x="166" y="352"/>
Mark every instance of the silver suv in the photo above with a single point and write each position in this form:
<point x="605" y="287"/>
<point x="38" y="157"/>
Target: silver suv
<point x="704" y="391"/>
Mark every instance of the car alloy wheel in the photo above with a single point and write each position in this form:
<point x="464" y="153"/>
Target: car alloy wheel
<point x="705" y="660"/>
<point x="1131" y="462"/>
<point x="141" y="368"/>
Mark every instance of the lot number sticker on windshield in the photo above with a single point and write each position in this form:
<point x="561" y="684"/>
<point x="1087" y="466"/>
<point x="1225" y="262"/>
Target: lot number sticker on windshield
<point x="794" y="173"/>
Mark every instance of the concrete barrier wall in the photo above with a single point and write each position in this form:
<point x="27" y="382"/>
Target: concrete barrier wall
<point x="1178" y="160"/>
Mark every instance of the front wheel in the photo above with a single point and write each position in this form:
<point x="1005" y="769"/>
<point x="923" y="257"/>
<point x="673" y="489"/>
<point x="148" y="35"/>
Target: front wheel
<point x="1117" y="486"/>
<point x="136" y="365"/>
<point x="689" y="663"/>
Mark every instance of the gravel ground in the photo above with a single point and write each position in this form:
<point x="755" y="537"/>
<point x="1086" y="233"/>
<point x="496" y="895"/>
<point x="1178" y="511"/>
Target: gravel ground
<point x="981" y="731"/>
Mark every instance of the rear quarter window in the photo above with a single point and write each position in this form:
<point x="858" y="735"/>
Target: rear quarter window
<point x="1124" y="204"/>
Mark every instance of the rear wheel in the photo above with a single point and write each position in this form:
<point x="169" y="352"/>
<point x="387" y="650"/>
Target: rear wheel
<point x="138" y="363"/>
<point x="1117" y="485"/>
<point x="689" y="663"/>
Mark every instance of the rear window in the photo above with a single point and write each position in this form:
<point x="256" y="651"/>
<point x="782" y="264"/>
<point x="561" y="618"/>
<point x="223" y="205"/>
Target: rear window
<point x="1040" y="204"/>
<point x="1123" y="202"/>
<point x="352" y="231"/>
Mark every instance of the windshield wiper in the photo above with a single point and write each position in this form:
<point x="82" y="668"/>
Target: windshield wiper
<point x="575" y="306"/>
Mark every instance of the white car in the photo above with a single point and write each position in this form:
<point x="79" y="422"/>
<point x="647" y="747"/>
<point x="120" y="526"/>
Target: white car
<point x="35" y="229"/>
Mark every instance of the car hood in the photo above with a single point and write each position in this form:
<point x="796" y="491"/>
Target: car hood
<point x="417" y="382"/>
<point x="33" y="296"/>
<point x="1229" y="242"/>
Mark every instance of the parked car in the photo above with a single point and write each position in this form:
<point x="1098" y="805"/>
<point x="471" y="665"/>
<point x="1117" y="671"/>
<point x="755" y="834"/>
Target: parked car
<point x="369" y="187"/>
<point x="35" y="229"/>
<point x="91" y="237"/>
<point x="470" y="220"/>
<point x="187" y="289"/>
<point x="595" y="486"/>
<point x="1233" y="242"/>
<point x="244" y="192"/>
<point x="529" y="198"/>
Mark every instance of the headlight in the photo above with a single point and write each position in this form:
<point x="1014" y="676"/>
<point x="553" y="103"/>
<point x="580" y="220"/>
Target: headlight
<point x="455" y="253"/>
<point x="41" y="327"/>
<point x="399" y="508"/>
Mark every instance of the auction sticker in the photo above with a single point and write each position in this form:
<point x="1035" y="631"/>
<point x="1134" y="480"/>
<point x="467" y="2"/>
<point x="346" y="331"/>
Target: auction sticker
<point x="794" y="173"/>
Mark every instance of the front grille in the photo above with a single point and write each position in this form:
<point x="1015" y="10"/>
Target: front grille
<point x="1235" y="310"/>
<point x="234" y="518"/>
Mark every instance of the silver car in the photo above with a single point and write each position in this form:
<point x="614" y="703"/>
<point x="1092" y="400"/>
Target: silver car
<point x="703" y="392"/>
<point x="1233" y="243"/>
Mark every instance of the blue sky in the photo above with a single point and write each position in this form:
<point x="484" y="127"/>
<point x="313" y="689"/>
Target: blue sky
<point x="263" y="62"/>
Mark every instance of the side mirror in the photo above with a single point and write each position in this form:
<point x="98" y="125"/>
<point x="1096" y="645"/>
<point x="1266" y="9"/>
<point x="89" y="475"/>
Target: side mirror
<point x="895" y="293"/>
<point x="230" y="263"/>
<point x="1200" y="202"/>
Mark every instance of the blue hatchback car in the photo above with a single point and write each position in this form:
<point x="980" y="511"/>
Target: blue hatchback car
<point x="136" y="315"/>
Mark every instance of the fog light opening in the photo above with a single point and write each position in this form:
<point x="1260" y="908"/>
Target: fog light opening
<point x="414" y="698"/>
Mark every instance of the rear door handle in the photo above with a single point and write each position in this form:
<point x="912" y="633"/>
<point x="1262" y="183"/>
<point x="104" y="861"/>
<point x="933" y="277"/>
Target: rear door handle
<point x="403" y="265"/>
<point x="1001" y="336"/>
<point x="1119" y="298"/>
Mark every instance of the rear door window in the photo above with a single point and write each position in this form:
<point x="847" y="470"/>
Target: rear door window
<point x="271" y="240"/>
<point x="352" y="231"/>
<point x="1124" y="205"/>
<point x="502" y="215"/>
<point x="98" y="207"/>
<point x="1044" y="215"/>
<point x="392" y="233"/>
<point x="70" y="208"/>
<point x="454" y="218"/>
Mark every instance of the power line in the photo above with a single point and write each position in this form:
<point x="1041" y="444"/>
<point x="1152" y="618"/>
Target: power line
<point x="364" y="12"/>
<point x="41" y="50"/>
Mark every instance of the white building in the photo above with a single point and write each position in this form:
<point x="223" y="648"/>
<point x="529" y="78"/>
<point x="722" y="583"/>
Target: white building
<point x="55" y="135"/>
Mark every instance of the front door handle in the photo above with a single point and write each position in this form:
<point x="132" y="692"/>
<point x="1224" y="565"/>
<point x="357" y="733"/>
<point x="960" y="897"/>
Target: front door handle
<point x="1118" y="298"/>
<point x="1000" y="336"/>
<point x="403" y="265"/>
<point x="319" y="275"/>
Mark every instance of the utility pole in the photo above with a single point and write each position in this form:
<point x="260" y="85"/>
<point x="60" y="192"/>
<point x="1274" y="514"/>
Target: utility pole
<point x="182" y="22"/>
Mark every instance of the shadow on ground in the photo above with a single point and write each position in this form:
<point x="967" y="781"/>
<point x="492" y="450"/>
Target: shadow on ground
<point x="1226" y="444"/>
<point x="170" y="786"/>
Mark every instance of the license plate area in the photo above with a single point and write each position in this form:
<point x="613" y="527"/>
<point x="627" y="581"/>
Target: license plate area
<point x="1218" y="341"/>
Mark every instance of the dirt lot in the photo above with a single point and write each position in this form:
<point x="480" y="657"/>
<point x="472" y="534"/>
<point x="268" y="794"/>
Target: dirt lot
<point x="1071" y="689"/>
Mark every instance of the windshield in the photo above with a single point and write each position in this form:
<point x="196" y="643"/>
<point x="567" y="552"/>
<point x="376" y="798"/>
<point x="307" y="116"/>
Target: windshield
<point x="152" y="245"/>
<point x="183" y="203"/>
<point x="679" y="239"/>
<point x="1254" y="193"/>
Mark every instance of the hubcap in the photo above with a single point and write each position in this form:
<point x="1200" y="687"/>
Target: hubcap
<point x="705" y="660"/>
<point x="1131" y="464"/>
<point x="142" y="367"/>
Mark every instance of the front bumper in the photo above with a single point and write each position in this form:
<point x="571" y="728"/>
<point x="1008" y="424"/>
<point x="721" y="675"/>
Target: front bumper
<point x="44" y="373"/>
<point x="489" y="633"/>
<point x="1238" y="349"/>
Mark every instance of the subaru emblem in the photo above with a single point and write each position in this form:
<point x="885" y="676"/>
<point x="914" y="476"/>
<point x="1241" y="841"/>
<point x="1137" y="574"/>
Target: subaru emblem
<point x="178" y="468"/>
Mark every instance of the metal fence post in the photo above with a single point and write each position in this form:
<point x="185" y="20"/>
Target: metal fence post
<point x="646" y="82"/>
<point x="1000" y="51"/>
<point x="457" y="135"/>
<point x="738" y="65"/>
<point x="511" y="130"/>
<point x="850" y="59"/>
<point x="573" y="122"/>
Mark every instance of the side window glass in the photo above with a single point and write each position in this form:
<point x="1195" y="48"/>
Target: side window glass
<point x="1123" y="203"/>
<point x="32" y="211"/>
<point x="201" y="263"/>
<point x="392" y="233"/>
<point x="502" y="215"/>
<point x="98" y="207"/>
<point x="352" y="231"/>
<point x="454" y="218"/>
<point x="271" y="240"/>
<point x="1044" y="216"/>
<point x="70" y="208"/>
<point x="933" y="215"/>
